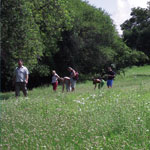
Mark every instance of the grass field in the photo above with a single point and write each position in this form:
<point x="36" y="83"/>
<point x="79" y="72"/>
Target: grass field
<point x="88" y="119"/>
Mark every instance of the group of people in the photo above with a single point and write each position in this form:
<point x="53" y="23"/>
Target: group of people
<point x="69" y="82"/>
<point x="21" y="76"/>
<point x="100" y="81"/>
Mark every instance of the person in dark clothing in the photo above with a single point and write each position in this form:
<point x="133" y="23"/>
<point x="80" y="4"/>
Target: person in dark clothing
<point x="110" y="77"/>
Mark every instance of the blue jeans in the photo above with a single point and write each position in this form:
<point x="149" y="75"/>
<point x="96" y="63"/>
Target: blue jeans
<point x="109" y="83"/>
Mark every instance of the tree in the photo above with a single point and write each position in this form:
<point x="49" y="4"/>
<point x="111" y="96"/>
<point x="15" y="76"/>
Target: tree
<point x="20" y="37"/>
<point x="85" y="43"/>
<point x="53" y="18"/>
<point x="136" y="30"/>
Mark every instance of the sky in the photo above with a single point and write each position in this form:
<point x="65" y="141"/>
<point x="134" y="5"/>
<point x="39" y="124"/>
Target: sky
<point x="119" y="10"/>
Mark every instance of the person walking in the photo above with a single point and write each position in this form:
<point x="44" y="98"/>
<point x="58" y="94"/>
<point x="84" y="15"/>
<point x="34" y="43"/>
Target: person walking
<point x="21" y="76"/>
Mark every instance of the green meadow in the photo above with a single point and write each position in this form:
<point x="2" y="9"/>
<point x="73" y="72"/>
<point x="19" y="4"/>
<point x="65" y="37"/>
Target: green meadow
<point x="87" y="119"/>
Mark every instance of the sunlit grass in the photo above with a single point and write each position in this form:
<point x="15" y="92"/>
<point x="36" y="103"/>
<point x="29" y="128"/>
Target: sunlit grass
<point x="106" y="119"/>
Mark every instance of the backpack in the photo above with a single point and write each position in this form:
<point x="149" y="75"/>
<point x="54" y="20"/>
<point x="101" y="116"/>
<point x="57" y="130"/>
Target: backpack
<point x="76" y="77"/>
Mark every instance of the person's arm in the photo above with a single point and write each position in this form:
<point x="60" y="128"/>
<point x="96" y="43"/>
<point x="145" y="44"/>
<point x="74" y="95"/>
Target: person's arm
<point x="58" y="76"/>
<point x="27" y="77"/>
<point x="112" y="75"/>
<point x="109" y="75"/>
<point x="74" y="73"/>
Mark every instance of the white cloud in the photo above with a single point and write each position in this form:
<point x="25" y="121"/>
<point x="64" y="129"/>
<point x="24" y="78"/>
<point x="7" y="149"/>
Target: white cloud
<point x="138" y="3"/>
<point x="124" y="9"/>
<point x="121" y="12"/>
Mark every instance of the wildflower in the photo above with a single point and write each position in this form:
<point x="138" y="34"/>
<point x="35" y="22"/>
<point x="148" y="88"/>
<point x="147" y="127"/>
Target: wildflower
<point x="139" y="118"/>
<point x="78" y="101"/>
<point x="43" y="146"/>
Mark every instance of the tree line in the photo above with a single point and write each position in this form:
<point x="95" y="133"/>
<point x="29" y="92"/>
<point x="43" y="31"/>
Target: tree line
<point x="136" y="30"/>
<point x="55" y="34"/>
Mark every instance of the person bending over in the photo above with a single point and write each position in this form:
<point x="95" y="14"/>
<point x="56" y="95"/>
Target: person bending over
<point x="66" y="82"/>
<point x="100" y="83"/>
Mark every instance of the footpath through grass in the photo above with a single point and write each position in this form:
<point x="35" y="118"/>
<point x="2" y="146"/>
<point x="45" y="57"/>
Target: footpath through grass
<point x="106" y="119"/>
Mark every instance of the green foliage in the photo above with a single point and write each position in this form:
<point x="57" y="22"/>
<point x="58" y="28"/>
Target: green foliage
<point x="136" y="30"/>
<point x="20" y="37"/>
<point x="125" y="56"/>
<point x="91" y="35"/>
<point x="53" y="18"/>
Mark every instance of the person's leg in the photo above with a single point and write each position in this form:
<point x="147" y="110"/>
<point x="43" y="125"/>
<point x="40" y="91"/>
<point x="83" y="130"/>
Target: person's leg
<point x="109" y="83"/>
<point x="101" y="84"/>
<point x="73" y="84"/>
<point x="55" y="86"/>
<point x="24" y="89"/>
<point x="95" y="86"/>
<point x="17" y="89"/>
<point x="94" y="82"/>
<point x="68" y="87"/>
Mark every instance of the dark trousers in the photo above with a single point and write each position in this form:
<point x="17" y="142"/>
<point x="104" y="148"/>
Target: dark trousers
<point x="20" y="86"/>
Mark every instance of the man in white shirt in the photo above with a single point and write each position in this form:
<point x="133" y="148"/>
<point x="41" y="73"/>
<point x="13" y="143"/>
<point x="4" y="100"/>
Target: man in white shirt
<point x="21" y="76"/>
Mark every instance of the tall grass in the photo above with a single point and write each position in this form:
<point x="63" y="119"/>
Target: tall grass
<point x="106" y="119"/>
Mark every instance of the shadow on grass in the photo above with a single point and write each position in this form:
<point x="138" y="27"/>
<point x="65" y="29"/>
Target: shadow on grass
<point x="142" y="75"/>
<point x="6" y="96"/>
